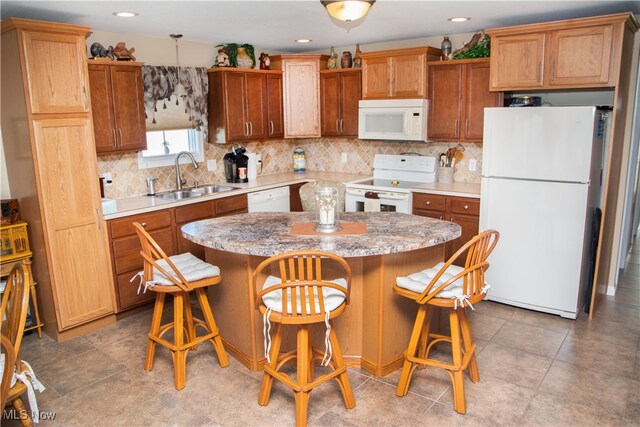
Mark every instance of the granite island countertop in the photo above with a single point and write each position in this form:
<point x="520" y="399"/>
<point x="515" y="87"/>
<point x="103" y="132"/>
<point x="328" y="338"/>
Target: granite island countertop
<point x="267" y="234"/>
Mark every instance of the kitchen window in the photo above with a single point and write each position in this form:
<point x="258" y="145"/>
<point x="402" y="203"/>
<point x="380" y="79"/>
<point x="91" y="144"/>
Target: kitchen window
<point x="163" y="145"/>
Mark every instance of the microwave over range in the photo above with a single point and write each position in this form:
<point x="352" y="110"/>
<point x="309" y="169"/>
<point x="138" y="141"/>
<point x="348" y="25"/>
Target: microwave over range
<point x="393" y="119"/>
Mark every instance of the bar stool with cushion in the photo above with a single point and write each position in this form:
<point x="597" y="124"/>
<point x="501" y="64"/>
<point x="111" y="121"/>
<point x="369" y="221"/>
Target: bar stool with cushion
<point x="179" y="275"/>
<point x="452" y="288"/>
<point x="18" y="373"/>
<point x="302" y="295"/>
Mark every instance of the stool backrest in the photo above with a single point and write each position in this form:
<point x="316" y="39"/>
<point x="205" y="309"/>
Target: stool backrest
<point x="303" y="277"/>
<point x="9" y="363"/>
<point x="152" y="252"/>
<point x="15" y="304"/>
<point x="477" y="250"/>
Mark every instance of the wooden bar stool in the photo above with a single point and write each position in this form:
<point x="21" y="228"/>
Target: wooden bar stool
<point x="300" y="296"/>
<point x="452" y="288"/>
<point x="179" y="275"/>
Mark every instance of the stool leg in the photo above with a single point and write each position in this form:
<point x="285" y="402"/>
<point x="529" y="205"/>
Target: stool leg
<point x="458" y="373"/>
<point x="21" y="410"/>
<point x="343" y="378"/>
<point x="154" y="331"/>
<point x="34" y="300"/>
<point x="218" y="346"/>
<point x="424" y="336"/>
<point x="267" y="379"/>
<point x="303" y="360"/>
<point x="179" y="355"/>
<point x="474" y="373"/>
<point x="407" y="366"/>
<point x="188" y="314"/>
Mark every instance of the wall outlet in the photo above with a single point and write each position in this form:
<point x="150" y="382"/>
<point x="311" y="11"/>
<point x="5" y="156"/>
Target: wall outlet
<point x="473" y="165"/>
<point x="212" y="165"/>
<point x="108" y="181"/>
<point x="343" y="158"/>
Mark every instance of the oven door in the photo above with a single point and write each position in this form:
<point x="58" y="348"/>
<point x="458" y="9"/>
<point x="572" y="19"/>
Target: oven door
<point x="389" y="201"/>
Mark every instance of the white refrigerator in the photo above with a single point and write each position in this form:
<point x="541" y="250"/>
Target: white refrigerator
<point x="541" y="182"/>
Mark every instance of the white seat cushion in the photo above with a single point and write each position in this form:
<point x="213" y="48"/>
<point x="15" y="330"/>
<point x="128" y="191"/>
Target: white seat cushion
<point x="190" y="267"/>
<point x="417" y="282"/>
<point x="332" y="297"/>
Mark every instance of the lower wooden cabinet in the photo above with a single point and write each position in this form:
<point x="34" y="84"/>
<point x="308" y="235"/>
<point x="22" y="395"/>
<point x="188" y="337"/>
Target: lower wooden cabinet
<point x="464" y="211"/>
<point x="164" y="226"/>
<point x="295" y="203"/>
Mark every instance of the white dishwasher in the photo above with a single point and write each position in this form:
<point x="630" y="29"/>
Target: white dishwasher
<point x="272" y="200"/>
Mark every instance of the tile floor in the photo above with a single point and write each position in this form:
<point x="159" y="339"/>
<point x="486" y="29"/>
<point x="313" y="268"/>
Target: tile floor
<point x="535" y="369"/>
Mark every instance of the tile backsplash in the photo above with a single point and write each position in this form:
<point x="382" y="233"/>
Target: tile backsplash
<point x="321" y="154"/>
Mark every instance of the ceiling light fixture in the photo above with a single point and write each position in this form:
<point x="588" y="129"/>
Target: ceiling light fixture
<point x="125" y="14"/>
<point x="461" y="19"/>
<point x="347" y="10"/>
<point x="179" y="90"/>
<point x="304" y="40"/>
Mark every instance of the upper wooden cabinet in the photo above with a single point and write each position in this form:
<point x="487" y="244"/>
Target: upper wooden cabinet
<point x="399" y="73"/>
<point x="275" y="114"/>
<point x="54" y="88"/>
<point x="339" y="96"/>
<point x="301" y="93"/>
<point x="458" y="94"/>
<point x="51" y="159"/>
<point x="117" y="104"/>
<point x="243" y="104"/>
<point x="577" y="53"/>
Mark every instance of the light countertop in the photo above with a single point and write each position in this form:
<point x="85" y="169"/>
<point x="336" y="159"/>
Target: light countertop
<point x="143" y="204"/>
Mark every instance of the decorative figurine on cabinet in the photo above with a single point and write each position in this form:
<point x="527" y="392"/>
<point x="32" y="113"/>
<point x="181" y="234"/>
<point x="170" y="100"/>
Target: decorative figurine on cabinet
<point x="100" y="52"/>
<point x="222" y="60"/>
<point x="265" y="62"/>
<point x="332" y="62"/>
<point x="122" y="53"/>
<point x="357" y="60"/>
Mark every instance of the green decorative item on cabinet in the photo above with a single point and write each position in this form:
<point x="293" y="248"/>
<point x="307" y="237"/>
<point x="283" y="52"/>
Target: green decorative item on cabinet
<point x="478" y="47"/>
<point x="238" y="51"/>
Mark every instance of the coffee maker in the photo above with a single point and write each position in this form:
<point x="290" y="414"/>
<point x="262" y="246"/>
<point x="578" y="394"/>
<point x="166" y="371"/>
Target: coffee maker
<point x="235" y="165"/>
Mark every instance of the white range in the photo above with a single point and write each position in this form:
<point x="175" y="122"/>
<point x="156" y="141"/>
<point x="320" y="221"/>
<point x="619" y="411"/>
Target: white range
<point x="393" y="178"/>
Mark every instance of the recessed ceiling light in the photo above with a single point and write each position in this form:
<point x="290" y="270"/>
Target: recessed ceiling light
<point x="125" y="14"/>
<point x="459" y="19"/>
<point x="304" y="40"/>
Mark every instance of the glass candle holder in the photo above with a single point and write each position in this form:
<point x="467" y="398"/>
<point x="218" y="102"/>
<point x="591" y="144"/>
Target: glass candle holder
<point x="327" y="210"/>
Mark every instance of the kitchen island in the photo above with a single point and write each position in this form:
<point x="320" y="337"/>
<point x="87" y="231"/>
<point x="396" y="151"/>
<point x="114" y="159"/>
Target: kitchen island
<point x="374" y="329"/>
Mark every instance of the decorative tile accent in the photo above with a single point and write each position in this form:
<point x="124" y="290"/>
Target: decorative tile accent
<point x="322" y="154"/>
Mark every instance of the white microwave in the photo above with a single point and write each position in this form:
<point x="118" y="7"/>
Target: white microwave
<point x="393" y="119"/>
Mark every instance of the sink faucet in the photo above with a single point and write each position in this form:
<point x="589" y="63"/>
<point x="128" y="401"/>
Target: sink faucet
<point x="179" y="181"/>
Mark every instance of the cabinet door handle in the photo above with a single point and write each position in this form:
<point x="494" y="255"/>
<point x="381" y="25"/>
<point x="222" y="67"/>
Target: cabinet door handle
<point x="466" y="207"/>
<point x="143" y="224"/>
<point x="250" y="128"/>
<point x="270" y="127"/>
<point x="246" y="129"/>
<point x="337" y="125"/>
<point x="115" y="138"/>
<point x="440" y="217"/>
<point x="428" y="202"/>
<point x="341" y="126"/>
<point x="121" y="141"/>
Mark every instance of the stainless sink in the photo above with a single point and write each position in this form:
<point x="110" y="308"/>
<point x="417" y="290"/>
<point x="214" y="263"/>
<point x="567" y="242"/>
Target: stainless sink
<point x="208" y="189"/>
<point x="179" y="195"/>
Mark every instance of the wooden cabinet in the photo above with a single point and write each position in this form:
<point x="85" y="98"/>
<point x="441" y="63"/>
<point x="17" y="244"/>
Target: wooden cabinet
<point x="577" y="53"/>
<point x="301" y="93"/>
<point x="244" y="104"/>
<point x="164" y="226"/>
<point x="295" y="202"/>
<point x="464" y="211"/>
<point x="399" y="73"/>
<point x="275" y="114"/>
<point x="117" y="103"/>
<point x="458" y="94"/>
<point x="52" y="163"/>
<point x="340" y="91"/>
<point x="125" y="250"/>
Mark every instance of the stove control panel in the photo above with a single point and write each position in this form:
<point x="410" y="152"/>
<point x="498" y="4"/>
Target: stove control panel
<point x="404" y="163"/>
